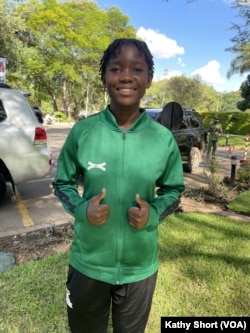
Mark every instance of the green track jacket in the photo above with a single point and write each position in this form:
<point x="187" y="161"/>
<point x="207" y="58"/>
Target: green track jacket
<point x="144" y="159"/>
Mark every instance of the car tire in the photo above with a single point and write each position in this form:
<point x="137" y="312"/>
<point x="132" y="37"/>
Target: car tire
<point x="2" y="187"/>
<point x="193" y="160"/>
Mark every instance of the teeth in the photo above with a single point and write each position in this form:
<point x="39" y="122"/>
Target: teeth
<point x="126" y="89"/>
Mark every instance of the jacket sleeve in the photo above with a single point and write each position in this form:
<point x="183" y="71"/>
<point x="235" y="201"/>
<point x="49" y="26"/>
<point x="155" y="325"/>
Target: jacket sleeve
<point x="169" y="187"/>
<point x="65" y="184"/>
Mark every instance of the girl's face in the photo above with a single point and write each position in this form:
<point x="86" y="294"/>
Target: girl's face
<point x="127" y="77"/>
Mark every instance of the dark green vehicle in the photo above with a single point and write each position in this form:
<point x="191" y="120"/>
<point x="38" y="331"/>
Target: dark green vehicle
<point x="188" y="130"/>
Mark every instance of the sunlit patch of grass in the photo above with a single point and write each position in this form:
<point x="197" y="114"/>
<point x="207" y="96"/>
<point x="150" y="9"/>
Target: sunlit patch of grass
<point x="241" y="203"/>
<point x="236" y="141"/>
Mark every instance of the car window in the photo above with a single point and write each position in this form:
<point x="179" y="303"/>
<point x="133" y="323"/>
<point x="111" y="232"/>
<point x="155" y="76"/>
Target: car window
<point x="194" y="121"/>
<point x="2" y="112"/>
<point x="191" y="120"/>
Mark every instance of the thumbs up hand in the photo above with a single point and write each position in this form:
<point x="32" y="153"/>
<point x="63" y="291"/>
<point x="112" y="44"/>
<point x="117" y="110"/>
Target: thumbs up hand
<point x="98" y="213"/>
<point x="138" y="216"/>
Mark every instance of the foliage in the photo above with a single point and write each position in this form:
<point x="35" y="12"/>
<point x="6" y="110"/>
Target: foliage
<point x="215" y="179"/>
<point x="157" y="95"/>
<point x="241" y="41"/>
<point x="237" y="124"/>
<point x="233" y="123"/>
<point x="190" y="93"/>
<point x="60" y="116"/>
<point x="243" y="174"/>
<point x="227" y="101"/>
<point x="62" y="45"/>
<point x="241" y="63"/>
<point x="187" y="92"/>
<point x="245" y="93"/>
<point x="54" y="47"/>
<point x="10" y="45"/>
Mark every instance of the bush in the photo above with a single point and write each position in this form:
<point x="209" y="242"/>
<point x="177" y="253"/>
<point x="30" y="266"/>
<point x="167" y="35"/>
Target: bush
<point x="243" y="174"/>
<point x="60" y="116"/>
<point x="233" y="123"/>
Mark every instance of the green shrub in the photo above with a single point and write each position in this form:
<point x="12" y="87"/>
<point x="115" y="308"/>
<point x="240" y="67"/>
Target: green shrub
<point x="243" y="174"/>
<point x="233" y="123"/>
<point x="60" y="116"/>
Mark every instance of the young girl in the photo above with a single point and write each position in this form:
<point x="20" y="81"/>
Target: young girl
<point x="133" y="179"/>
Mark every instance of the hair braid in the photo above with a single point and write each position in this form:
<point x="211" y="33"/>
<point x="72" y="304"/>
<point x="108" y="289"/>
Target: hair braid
<point x="115" y="47"/>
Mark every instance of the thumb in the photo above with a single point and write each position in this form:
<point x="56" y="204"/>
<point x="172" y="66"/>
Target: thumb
<point x="139" y="200"/>
<point x="102" y="195"/>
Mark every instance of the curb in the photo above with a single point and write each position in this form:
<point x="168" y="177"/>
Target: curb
<point x="26" y="230"/>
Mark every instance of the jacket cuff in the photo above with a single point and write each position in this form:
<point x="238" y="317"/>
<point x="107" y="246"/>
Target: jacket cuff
<point x="81" y="210"/>
<point x="153" y="220"/>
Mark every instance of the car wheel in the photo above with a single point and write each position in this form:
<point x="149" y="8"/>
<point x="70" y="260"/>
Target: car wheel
<point x="193" y="160"/>
<point x="2" y="187"/>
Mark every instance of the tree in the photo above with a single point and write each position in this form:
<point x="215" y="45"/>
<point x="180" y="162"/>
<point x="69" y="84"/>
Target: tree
<point x="189" y="92"/>
<point x="10" y="45"/>
<point x="65" y="42"/>
<point x="157" y="95"/>
<point x="54" y="47"/>
<point x="228" y="101"/>
<point x="241" y="63"/>
<point x="186" y="91"/>
<point x="244" y="104"/>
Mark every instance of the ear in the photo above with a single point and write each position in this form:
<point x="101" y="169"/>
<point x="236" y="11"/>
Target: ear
<point x="150" y="79"/>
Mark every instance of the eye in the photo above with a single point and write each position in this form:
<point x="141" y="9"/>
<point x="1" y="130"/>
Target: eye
<point x="114" y="69"/>
<point x="138" y="70"/>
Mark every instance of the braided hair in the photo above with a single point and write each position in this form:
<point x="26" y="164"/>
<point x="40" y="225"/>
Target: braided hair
<point x="115" y="47"/>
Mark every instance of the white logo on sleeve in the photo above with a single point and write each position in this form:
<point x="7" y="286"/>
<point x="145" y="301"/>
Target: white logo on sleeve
<point x="100" y="166"/>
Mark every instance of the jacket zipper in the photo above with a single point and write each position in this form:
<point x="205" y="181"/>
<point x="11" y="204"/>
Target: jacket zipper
<point x="124" y="134"/>
<point x="119" y="251"/>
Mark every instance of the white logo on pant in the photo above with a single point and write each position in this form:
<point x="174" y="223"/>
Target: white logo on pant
<point x="100" y="166"/>
<point x="68" y="301"/>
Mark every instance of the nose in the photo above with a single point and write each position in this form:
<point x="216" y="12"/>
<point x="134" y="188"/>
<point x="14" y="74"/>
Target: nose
<point x="126" y="75"/>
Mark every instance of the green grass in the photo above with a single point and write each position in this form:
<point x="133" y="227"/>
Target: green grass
<point x="241" y="203"/>
<point x="204" y="271"/>
<point x="237" y="141"/>
<point x="32" y="297"/>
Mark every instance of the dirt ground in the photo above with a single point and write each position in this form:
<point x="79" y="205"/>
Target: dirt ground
<point x="39" y="244"/>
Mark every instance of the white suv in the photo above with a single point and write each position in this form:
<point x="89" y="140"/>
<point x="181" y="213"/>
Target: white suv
<point x="24" y="154"/>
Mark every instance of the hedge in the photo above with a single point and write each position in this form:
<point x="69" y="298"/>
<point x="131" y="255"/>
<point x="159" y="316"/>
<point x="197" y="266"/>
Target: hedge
<point x="237" y="123"/>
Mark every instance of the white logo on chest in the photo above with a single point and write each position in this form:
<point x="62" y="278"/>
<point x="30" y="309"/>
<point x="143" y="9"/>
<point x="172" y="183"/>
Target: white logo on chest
<point x="100" y="166"/>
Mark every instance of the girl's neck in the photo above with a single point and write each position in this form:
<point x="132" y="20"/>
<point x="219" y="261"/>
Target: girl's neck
<point x="125" y="117"/>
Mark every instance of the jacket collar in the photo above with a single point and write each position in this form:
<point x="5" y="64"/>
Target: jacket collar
<point x="109" y="119"/>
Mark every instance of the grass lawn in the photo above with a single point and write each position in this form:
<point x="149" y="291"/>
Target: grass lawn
<point x="241" y="203"/>
<point x="237" y="141"/>
<point x="204" y="271"/>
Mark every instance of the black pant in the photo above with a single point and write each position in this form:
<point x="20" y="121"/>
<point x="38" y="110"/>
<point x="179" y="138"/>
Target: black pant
<point x="89" y="303"/>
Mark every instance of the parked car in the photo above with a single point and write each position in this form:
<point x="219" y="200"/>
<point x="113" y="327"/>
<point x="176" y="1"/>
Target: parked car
<point x="36" y="109"/>
<point x="24" y="154"/>
<point x="189" y="134"/>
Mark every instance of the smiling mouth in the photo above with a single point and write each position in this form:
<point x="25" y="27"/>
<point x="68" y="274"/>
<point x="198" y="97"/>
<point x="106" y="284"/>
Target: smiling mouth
<point x="126" y="89"/>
